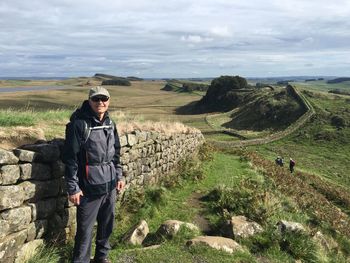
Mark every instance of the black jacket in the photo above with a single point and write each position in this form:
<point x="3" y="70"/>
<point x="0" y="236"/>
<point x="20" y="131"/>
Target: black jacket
<point x="92" y="159"/>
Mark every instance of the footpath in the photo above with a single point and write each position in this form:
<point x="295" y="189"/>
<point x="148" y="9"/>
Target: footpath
<point x="274" y="136"/>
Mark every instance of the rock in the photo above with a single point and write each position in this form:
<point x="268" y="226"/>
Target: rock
<point x="216" y="242"/>
<point x="10" y="244"/>
<point x="11" y="196"/>
<point x="9" y="174"/>
<point x="240" y="227"/>
<point x="171" y="227"/>
<point x="46" y="152"/>
<point x="25" y="156"/>
<point x="58" y="168"/>
<point x="36" y="171"/>
<point x="4" y="228"/>
<point x="43" y="209"/>
<point x="35" y="190"/>
<point x="123" y="140"/>
<point x="132" y="139"/>
<point x="327" y="244"/>
<point x="288" y="226"/>
<point x="28" y="250"/>
<point x="37" y="229"/>
<point x="137" y="234"/>
<point x="7" y="157"/>
<point x="17" y="218"/>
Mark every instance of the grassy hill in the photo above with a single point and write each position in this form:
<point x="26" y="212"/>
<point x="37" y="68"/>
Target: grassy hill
<point x="229" y="182"/>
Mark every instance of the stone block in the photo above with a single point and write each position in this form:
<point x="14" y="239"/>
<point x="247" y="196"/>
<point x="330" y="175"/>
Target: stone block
<point x="7" y="157"/>
<point x="17" y="218"/>
<point x="46" y="152"/>
<point x="35" y="171"/>
<point x="25" y="156"/>
<point x="10" y="244"/>
<point x="57" y="169"/>
<point x="9" y="174"/>
<point x="4" y="228"/>
<point x="43" y="209"/>
<point x="35" y="190"/>
<point x="132" y="139"/>
<point x="37" y="229"/>
<point x="28" y="250"/>
<point x="11" y="196"/>
<point x="123" y="141"/>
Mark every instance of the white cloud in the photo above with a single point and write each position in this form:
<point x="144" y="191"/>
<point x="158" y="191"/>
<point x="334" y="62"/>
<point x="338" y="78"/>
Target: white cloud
<point x="173" y="38"/>
<point x="221" y="31"/>
<point x="195" y="39"/>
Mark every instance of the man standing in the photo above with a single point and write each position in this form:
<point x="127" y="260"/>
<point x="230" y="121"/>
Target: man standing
<point x="93" y="173"/>
<point x="291" y="165"/>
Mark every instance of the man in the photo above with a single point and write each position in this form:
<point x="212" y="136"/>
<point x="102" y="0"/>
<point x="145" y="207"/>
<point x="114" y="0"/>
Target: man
<point x="291" y="165"/>
<point x="279" y="161"/>
<point x="93" y="173"/>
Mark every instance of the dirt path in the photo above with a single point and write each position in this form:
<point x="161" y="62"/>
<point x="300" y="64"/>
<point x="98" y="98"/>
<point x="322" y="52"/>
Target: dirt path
<point x="203" y="223"/>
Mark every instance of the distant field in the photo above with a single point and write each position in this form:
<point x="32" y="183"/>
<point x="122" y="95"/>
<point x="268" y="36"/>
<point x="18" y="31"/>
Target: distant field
<point x="319" y="147"/>
<point x="322" y="85"/>
<point x="143" y="100"/>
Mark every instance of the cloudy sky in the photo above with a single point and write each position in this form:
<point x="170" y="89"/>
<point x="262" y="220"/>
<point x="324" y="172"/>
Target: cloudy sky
<point x="168" y="38"/>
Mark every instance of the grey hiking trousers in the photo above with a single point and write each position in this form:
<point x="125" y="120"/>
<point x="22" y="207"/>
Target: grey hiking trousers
<point x="92" y="208"/>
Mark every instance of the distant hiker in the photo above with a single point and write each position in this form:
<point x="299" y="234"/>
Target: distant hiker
<point x="291" y="164"/>
<point x="279" y="161"/>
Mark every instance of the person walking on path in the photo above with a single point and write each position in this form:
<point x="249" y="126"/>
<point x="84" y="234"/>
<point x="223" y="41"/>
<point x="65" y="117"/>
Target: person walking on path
<point x="93" y="174"/>
<point x="279" y="161"/>
<point x="291" y="165"/>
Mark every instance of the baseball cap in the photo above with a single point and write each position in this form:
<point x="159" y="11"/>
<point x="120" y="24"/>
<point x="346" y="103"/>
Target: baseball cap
<point x="98" y="91"/>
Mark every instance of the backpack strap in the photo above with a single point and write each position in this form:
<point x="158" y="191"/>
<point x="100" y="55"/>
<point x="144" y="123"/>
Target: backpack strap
<point x="88" y="129"/>
<point x="86" y="132"/>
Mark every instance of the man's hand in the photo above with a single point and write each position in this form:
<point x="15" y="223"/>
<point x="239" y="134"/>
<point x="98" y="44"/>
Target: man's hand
<point x="75" y="199"/>
<point x="120" y="185"/>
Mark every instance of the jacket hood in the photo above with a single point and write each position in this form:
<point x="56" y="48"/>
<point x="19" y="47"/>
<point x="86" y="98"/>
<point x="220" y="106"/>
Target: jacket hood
<point x="85" y="112"/>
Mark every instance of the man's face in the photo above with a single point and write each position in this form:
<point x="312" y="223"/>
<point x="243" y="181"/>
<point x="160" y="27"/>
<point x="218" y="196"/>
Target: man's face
<point x="99" y="104"/>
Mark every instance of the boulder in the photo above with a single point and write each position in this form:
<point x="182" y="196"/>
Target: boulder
<point x="216" y="242"/>
<point x="241" y="227"/>
<point x="137" y="234"/>
<point x="327" y="244"/>
<point x="171" y="227"/>
<point x="288" y="226"/>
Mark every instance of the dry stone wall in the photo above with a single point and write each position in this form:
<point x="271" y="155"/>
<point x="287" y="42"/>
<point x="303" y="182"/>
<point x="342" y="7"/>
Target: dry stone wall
<point x="33" y="201"/>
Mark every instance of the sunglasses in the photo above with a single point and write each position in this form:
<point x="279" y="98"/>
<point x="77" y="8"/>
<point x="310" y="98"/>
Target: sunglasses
<point x="97" y="99"/>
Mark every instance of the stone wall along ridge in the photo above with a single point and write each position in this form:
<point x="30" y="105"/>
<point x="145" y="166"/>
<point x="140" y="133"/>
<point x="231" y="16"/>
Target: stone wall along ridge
<point x="33" y="200"/>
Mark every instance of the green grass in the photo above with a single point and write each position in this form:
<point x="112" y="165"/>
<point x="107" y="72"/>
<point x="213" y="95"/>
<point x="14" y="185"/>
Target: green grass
<point x="30" y="117"/>
<point x="322" y="85"/>
<point x="318" y="147"/>
<point x="252" y="192"/>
